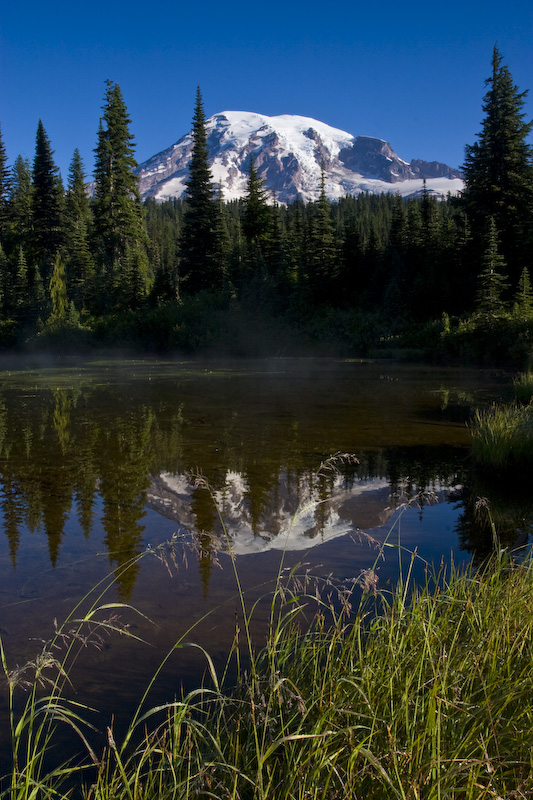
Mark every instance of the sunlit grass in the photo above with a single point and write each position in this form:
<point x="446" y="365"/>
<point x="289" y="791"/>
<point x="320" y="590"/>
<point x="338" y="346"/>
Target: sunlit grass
<point x="502" y="437"/>
<point x="360" y="692"/>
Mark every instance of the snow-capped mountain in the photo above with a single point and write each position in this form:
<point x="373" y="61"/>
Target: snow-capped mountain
<point x="288" y="153"/>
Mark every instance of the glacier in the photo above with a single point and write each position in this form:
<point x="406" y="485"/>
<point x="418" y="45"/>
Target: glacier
<point x="289" y="153"/>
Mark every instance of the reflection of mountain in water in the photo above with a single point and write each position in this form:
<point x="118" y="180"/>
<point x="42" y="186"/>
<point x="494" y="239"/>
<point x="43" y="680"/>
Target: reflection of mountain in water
<point x="78" y="447"/>
<point x="300" y="514"/>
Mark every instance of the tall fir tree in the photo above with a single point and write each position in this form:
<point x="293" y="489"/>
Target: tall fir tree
<point x="201" y="257"/>
<point x="20" y="204"/>
<point x="256" y="229"/>
<point x="63" y="314"/>
<point x="5" y="281"/>
<point x="79" y="263"/>
<point x="58" y="291"/>
<point x="119" y="232"/>
<point x="22" y="295"/>
<point x="256" y="213"/>
<point x="523" y="303"/>
<point x="47" y="205"/>
<point x="499" y="169"/>
<point x="323" y="250"/>
<point x="4" y="191"/>
<point x="492" y="282"/>
<point x="222" y="235"/>
<point x="77" y="200"/>
<point x="275" y="253"/>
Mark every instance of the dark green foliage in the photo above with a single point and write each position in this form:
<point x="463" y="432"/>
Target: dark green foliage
<point x="523" y="305"/>
<point x="119" y="232"/>
<point x="47" y="204"/>
<point x="20" y="203"/>
<point x="251" y="278"/>
<point x="164" y="225"/>
<point x="5" y="278"/>
<point x="499" y="169"/>
<point x="28" y="293"/>
<point x="256" y="214"/>
<point x="4" y="190"/>
<point x="58" y="292"/>
<point x="79" y="263"/>
<point x="492" y="283"/>
<point x="364" y="274"/>
<point x="323" y="250"/>
<point x="201" y="251"/>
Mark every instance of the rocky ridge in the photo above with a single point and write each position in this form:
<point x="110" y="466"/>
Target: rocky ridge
<point x="289" y="152"/>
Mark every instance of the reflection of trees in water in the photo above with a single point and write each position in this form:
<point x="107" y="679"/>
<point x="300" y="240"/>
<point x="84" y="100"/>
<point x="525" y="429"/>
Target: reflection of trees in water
<point x="510" y="509"/>
<point x="58" y="450"/>
<point x="416" y="470"/>
<point x="63" y="448"/>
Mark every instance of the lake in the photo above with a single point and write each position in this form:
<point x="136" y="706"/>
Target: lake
<point x="104" y="469"/>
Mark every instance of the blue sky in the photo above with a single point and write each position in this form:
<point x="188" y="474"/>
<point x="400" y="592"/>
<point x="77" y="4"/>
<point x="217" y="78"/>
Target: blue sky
<point x="410" y="73"/>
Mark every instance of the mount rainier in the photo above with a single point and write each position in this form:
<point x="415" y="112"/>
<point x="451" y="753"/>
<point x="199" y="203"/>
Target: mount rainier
<point x="288" y="153"/>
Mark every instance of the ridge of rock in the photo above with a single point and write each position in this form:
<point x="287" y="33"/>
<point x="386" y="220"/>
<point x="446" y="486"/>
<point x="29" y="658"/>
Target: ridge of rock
<point x="289" y="153"/>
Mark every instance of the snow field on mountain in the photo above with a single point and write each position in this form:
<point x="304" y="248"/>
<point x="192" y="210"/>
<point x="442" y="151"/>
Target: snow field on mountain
<point x="289" y="151"/>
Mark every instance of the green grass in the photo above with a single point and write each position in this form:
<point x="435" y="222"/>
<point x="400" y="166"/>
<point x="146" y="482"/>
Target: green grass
<point x="502" y="437"/>
<point x="411" y="693"/>
<point x="523" y="387"/>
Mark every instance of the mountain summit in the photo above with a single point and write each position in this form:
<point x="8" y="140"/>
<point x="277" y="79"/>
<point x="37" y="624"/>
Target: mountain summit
<point x="288" y="153"/>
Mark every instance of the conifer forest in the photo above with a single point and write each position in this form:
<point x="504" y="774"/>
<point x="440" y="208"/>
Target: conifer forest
<point x="88" y="264"/>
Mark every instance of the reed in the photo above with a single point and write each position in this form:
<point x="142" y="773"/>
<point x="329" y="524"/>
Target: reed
<point x="360" y="691"/>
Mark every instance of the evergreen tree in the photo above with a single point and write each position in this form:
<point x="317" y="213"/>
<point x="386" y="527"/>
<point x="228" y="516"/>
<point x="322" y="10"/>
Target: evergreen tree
<point x="201" y="259"/>
<point x="256" y="228"/>
<point x="4" y="190"/>
<point x="275" y="253"/>
<point x="296" y="244"/>
<point x="499" y="168"/>
<point x="429" y="283"/>
<point x="523" y="304"/>
<point x="28" y="302"/>
<point x="47" y="204"/>
<point x="63" y="314"/>
<point x="492" y="283"/>
<point x="20" y="203"/>
<point x="79" y="263"/>
<point x="461" y="280"/>
<point x="222" y="234"/>
<point x="119" y="228"/>
<point x="22" y="291"/>
<point x="323" y="250"/>
<point x="256" y="214"/>
<point x="77" y="201"/>
<point x="351" y="280"/>
<point x="4" y="281"/>
<point x="58" y="292"/>
<point x="399" y="266"/>
<point x="163" y="222"/>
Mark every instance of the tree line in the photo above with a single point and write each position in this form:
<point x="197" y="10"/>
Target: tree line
<point x="202" y="272"/>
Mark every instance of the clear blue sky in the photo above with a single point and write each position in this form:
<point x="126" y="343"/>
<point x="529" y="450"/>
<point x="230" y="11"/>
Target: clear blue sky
<point x="412" y="73"/>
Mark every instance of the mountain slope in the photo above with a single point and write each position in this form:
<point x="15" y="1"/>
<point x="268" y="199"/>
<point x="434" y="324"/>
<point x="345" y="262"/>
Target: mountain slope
<point x="289" y="152"/>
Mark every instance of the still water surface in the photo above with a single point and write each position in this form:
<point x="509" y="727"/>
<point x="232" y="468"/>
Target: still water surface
<point x="99" y="468"/>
